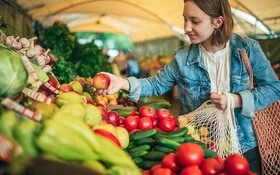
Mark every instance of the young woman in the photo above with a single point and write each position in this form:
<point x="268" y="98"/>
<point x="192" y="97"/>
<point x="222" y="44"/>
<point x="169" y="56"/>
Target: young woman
<point x="213" y="64"/>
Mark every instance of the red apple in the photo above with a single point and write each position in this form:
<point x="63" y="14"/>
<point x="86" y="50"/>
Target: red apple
<point x="87" y="100"/>
<point x="101" y="81"/>
<point x="113" y="118"/>
<point x="66" y="88"/>
<point x="104" y="113"/>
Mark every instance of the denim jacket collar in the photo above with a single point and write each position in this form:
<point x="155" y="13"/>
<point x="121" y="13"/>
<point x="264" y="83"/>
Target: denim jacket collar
<point x="194" y="56"/>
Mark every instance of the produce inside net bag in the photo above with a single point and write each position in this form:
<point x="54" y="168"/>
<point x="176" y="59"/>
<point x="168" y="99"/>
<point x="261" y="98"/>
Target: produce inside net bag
<point x="13" y="75"/>
<point x="214" y="127"/>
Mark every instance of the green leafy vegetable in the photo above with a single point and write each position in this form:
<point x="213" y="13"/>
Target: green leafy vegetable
<point x="13" y="75"/>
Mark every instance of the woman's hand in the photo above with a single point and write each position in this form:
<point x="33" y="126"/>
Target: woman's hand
<point x="219" y="100"/>
<point x="116" y="84"/>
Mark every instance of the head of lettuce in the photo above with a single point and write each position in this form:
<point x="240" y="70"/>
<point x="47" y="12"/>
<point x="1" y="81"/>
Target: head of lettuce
<point x="13" y="75"/>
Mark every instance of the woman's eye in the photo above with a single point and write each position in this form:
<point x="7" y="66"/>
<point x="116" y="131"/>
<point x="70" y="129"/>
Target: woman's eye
<point x="195" y="22"/>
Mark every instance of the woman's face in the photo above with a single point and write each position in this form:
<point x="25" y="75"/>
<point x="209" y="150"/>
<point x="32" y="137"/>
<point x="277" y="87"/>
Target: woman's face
<point x="197" y="24"/>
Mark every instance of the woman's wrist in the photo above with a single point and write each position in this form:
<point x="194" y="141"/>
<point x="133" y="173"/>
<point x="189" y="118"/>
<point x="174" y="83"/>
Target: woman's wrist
<point x="125" y="85"/>
<point x="237" y="101"/>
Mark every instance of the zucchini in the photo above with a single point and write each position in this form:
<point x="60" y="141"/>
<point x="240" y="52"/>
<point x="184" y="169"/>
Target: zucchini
<point x="140" y="148"/>
<point x="138" y="154"/>
<point x="163" y="149"/>
<point x="208" y="153"/>
<point x="148" y="164"/>
<point x="168" y="143"/>
<point x="154" y="155"/>
<point x="143" y="134"/>
<point x="146" y="141"/>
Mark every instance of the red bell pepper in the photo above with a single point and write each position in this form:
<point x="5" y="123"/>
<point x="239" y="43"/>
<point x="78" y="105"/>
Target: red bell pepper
<point x="108" y="135"/>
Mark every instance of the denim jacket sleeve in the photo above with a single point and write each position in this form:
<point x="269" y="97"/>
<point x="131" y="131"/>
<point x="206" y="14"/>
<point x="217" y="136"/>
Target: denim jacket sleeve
<point x="266" y="83"/>
<point x="156" y="85"/>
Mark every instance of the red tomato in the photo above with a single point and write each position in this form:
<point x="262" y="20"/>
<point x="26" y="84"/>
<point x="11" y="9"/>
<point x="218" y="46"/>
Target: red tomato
<point x="220" y="160"/>
<point x="145" y="123"/>
<point x="131" y="122"/>
<point x="133" y="131"/>
<point x="223" y="173"/>
<point x="191" y="170"/>
<point x="145" y="173"/>
<point x="134" y="113"/>
<point x="176" y="129"/>
<point x="162" y="113"/>
<point x="189" y="154"/>
<point x="121" y="120"/>
<point x="166" y="124"/>
<point x="156" y="128"/>
<point x="154" y="121"/>
<point x="236" y="164"/>
<point x="251" y="173"/>
<point x="211" y="166"/>
<point x="173" y="120"/>
<point x="162" y="171"/>
<point x="147" y="111"/>
<point x="155" y="167"/>
<point x="169" y="162"/>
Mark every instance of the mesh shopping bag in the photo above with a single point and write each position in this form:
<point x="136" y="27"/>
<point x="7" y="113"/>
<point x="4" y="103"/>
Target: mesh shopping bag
<point x="267" y="129"/>
<point x="214" y="127"/>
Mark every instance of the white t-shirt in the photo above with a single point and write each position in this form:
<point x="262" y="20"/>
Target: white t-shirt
<point x="218" y="66"/>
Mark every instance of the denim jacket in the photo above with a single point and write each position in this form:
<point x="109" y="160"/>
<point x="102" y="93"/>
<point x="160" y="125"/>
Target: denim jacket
<point x="194" y="86"/>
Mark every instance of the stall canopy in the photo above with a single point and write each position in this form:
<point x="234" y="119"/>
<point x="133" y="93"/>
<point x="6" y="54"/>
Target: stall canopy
<point x="148" y="19"/>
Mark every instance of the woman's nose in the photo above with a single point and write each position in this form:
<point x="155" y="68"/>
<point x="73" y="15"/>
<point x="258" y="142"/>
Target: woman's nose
<point x="188" y="27"/>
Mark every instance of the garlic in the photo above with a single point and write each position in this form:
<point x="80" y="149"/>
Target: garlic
<point x="24" y="42"/>
<point x="47" y="59"/>
<point x="47" y="68"/>
<point x="40" y="60"/>
<point x="9" y="40"/>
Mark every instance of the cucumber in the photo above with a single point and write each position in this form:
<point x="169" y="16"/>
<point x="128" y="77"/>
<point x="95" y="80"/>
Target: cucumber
<point x="208" y="153"/>
<point x="138" y="161"/>
<point x="143" y="134"/>
<point x="130" y="146"/>
<point x="188" y="138"/>
<point x="163" y="149"/>
<point x="138" y="154"/>
<point x="123" y="112"/>
<point x="154" y="155"/>
<point x="148" y="164"/>
<point x="168" y="143"/>
<point x="145" y="141"/>
<point x="140" y="148"/>
<point x="179" y="133"/>
<point x="176" y="139"/>
<point x="156" y="104"/>
<point x="203" y="145"/>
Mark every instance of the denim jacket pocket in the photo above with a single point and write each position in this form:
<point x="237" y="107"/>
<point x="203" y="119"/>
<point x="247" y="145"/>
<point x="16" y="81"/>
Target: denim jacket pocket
<point x="245" y="82"/>
<point x="189" y="92"/>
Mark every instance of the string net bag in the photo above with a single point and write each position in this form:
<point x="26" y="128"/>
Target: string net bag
<point x="266" y="124"/>
<point x="214" y="127"/>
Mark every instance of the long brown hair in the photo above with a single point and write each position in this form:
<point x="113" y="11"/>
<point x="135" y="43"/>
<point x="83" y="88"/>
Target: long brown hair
<point x="216" y="8"/>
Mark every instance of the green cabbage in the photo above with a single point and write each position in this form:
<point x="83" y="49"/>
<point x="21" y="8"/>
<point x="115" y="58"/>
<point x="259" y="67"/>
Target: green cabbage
<point x="13" y="75"/>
